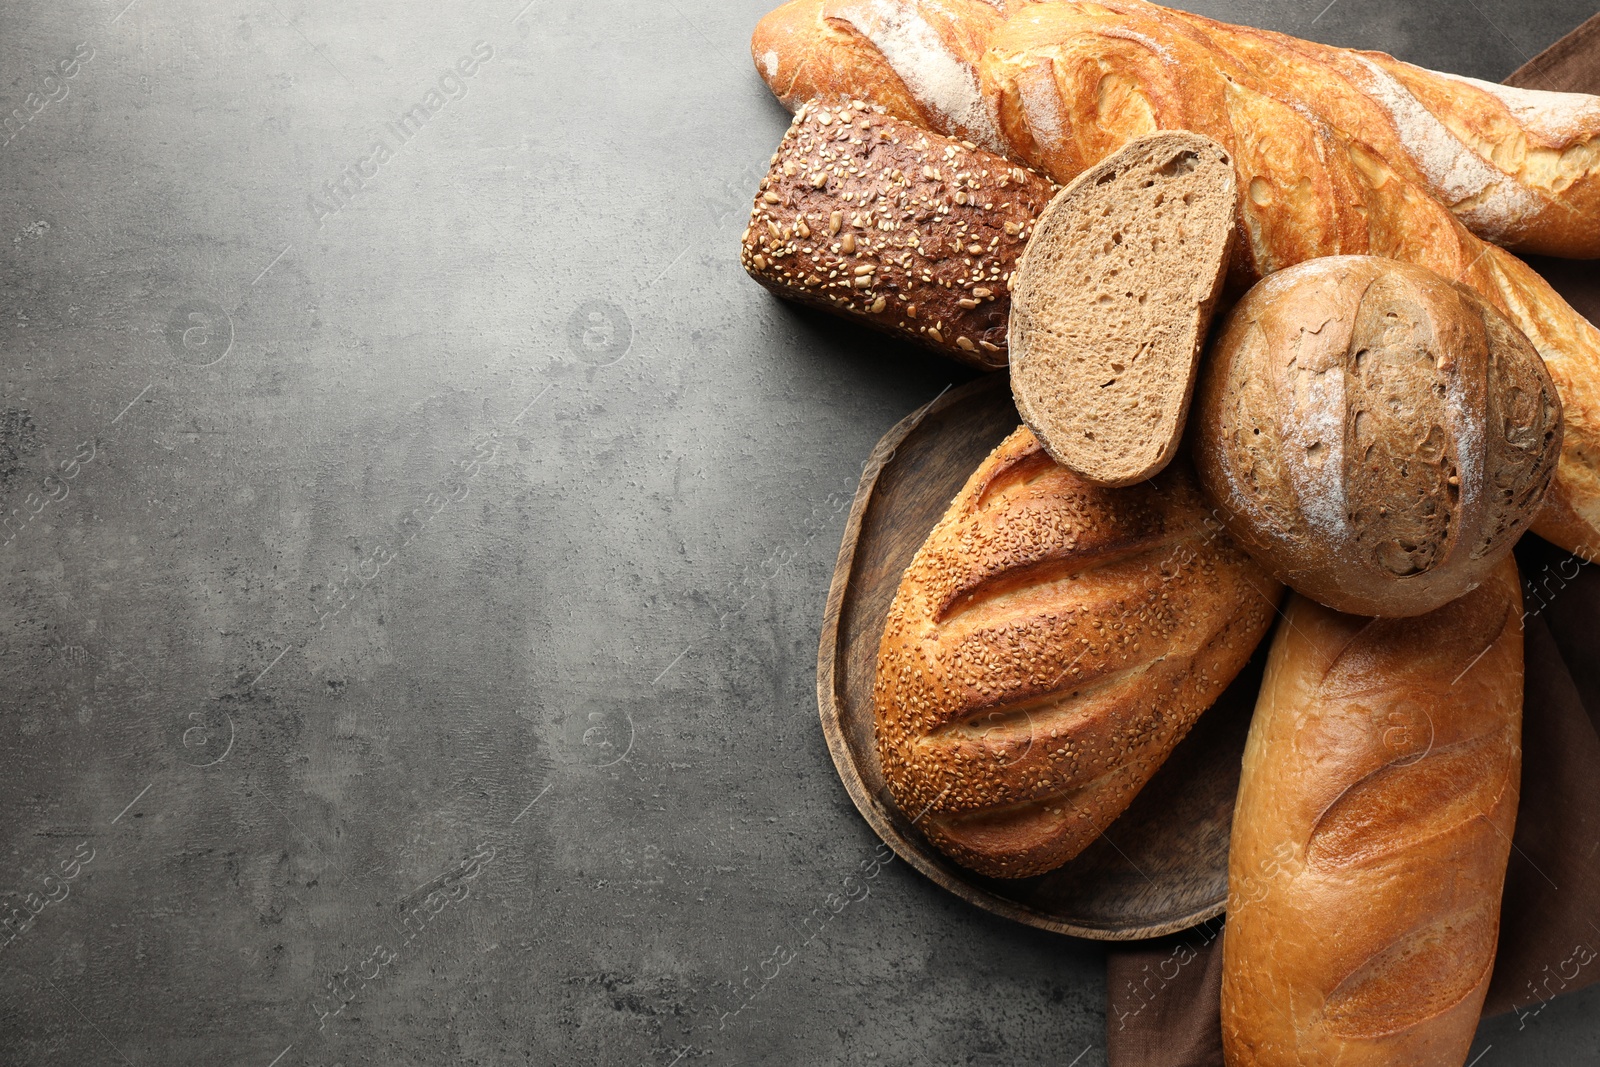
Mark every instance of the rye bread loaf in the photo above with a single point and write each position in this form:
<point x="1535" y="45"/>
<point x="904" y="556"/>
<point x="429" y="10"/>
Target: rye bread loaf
<point x="873" y="219"/>
<point x="1376" y="435"/>
<point x="1049" y="645"/>
<point x="1112" y="301"/>
<point x="1371" y="834"/>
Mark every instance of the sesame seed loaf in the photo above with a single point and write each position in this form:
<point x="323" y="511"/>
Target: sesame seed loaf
<point x="1049" y="645"/>
<point x="874" y="219"/>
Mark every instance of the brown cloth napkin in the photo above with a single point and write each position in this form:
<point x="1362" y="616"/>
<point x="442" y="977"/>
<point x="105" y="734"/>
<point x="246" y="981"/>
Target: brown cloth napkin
<point x="1164" y="996"/>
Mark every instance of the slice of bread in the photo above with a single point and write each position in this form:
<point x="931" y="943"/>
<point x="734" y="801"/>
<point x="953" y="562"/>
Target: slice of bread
<point x="1111" y="303"/>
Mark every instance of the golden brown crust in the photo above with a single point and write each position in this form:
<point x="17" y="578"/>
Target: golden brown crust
<point x="1067" y="84"/>
<point x="1570" y="347"/>
<point x="1049" y="645"/>
<point x="1519" y="167"/>
<point x="1371" y="835"/>
<point x="920" y="61"/>
<point x="875" y="219"/>
<point x="1375" y="435"/>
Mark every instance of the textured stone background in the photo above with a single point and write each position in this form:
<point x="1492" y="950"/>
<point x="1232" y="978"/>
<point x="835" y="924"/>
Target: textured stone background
<point x="408" y="622"/>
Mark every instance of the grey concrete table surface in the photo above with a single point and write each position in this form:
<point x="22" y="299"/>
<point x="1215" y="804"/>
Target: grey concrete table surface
<point x="416" y="536"/>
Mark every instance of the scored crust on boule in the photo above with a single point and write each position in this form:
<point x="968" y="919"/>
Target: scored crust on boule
<point x="1049" y="645"/>
<point x="1375" y="434"/>
<point x="1112" y="300"/>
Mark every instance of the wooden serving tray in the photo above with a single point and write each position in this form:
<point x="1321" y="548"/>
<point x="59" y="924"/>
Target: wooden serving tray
<point x="1162" y="866"/>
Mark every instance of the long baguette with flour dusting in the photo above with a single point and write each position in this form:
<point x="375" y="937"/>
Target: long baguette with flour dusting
<point x="1061" y="85"/>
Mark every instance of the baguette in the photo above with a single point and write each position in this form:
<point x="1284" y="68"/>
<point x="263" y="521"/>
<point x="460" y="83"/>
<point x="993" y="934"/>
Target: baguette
<point x="1520" y="167"/>
<point x="1371" y="835"/>
<point x="917" y="61"/>
<point x="1049" y="645"/>
<point x="869" y="217"/>
<point x="1059" y="86"/>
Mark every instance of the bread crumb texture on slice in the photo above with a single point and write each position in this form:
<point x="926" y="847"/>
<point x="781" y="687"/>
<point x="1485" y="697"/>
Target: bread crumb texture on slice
<point x="1112" y="300"/>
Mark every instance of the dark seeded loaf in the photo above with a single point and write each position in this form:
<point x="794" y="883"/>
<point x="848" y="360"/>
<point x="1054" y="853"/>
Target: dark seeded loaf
<point x="876" y="220"/>
<point x="1112" y="301"/>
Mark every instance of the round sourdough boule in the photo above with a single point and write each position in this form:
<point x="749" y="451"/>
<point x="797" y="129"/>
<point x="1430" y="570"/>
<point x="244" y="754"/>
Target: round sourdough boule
<point x="1376" y="435"/>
